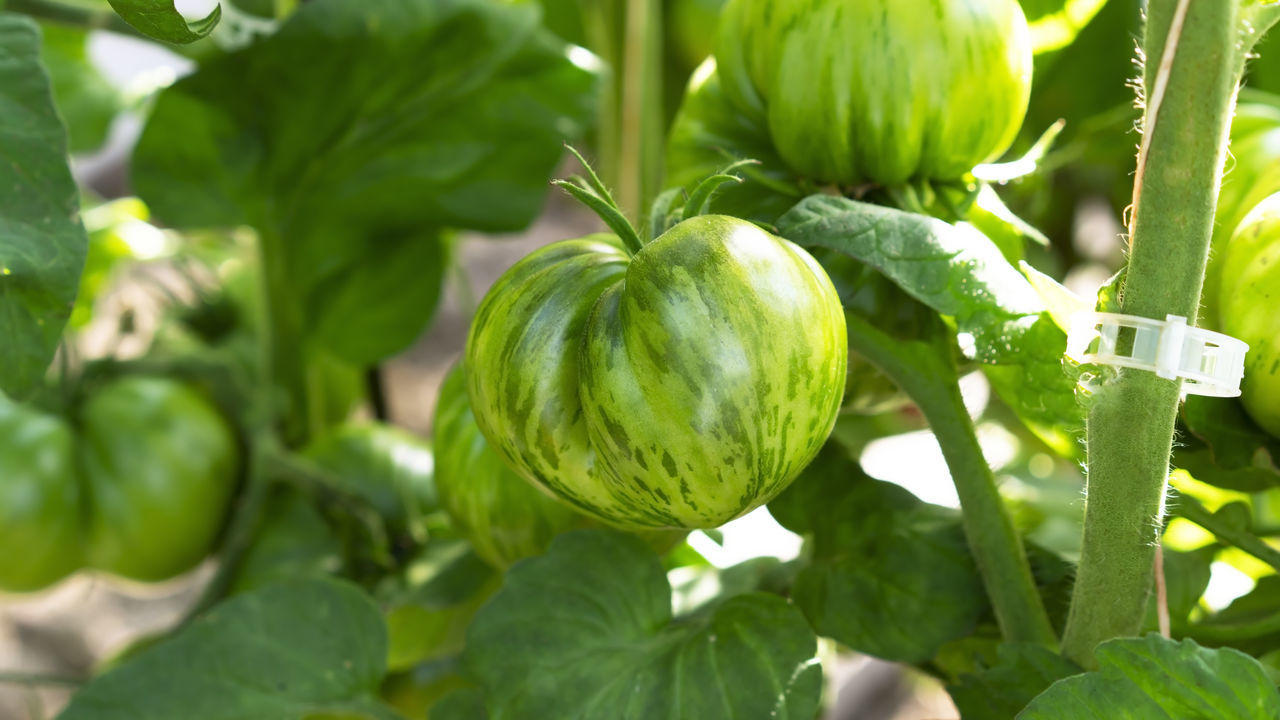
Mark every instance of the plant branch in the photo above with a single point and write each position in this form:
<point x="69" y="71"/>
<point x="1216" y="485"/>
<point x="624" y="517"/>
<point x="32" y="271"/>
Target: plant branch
<point x="39" y="679"/>
<point x="283" y="342"/>
<point x="73" y="15"/>
<point x="1191" y="97"/>
<point x="240" y="533"/>
<point x="926" y="372"/>
<point x="1214" y="634"/>
<point x="1189" y="508"/>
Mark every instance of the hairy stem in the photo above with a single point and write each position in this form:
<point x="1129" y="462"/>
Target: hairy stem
<point x="1190" y="83"/>
<point x="926" y="372"/>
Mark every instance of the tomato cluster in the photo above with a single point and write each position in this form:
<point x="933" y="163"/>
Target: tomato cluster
<point x="137" y="485"/>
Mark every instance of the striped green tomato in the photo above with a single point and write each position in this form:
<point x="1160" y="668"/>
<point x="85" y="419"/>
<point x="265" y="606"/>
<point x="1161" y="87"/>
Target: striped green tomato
<point x="1247" y="301"/>
<point x="677" y="388"/>
<point x="504" y="517"/>
<point x="879" y="90"/>
<point x="1252" y="174"/>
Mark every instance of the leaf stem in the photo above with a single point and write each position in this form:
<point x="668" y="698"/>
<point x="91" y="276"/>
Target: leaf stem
<point x="1189" y="508"/>
<point x="73" y="15"/>
<point x="38" y="679"/>
<point x="1214" y="634"/>
<point x="240" y="533"/>
<point x="1191" y="97"/>
<point x="926" y="372"/>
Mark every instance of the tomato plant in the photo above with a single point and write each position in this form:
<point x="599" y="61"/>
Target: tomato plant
<point x="808" y="395"/>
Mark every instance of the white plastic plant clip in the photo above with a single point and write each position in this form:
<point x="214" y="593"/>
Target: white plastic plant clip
<point x="1208" y="362"/>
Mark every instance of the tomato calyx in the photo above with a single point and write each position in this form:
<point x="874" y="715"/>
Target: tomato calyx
<point x="668" y="210"/>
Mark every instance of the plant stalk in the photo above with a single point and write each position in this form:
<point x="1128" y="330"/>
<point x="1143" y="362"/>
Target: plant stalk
<point x="38" y="679"/>
<point x="628" y="35"/>
<point x="283" y="343"/>
<point x="1190" y="83"/>
<point x="927" y="373"/>
<point x="72" y="15"/>
<point x="1214" y="634"/>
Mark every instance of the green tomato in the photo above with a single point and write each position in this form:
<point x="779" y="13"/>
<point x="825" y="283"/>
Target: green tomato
<point x="40" y="500"/>
<point x="504" y="517"/>
<point x="390" y="468"/>
<point x="882" y="91"/>
<point x="1252" y="174"/>
<point x="160" y="465"/>
<point x="690" y="30"/>
<point x="706" y="132"/>
<point x="1248" y="300"/>
<point x="679" y="388"/>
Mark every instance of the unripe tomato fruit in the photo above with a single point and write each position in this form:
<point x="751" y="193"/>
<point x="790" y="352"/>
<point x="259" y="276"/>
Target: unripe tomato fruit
<point x="160" y="464"/>
<point x="504" y="517"/>
<point x="1252" y="174"/>
<point x="1248" y="301"/>
<point x="389" y="467"/>
<point x="139" y="488"/>
<point x="40" y="500"/>
<point x="879" y="90"/>
<point x="677" y="388"/>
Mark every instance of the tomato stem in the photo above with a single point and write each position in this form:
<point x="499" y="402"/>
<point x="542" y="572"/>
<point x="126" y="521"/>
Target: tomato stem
<point x="283" y="341"/>
<point x="1194" y="65"/>
<point x="628" y="35"/>
<point x="241" y="530"/>
<point x="74" y="16"/>
<point x="926" y="372"/>
<point x="40" y="679"/>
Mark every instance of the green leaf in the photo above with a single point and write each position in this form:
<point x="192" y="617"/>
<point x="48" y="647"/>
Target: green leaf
<point x="697" y="586"/>
<point x="1153" y="678"/>
<point x="587" y="631"/>
<point x="1251" y="623"/>
<point x="42" y="242"/>
<point x="992" y="218"/>
<point x="1000" y="320"/>
<point x="86" y="102"/>
<point x="1020" y="673"/>
<point x="466" y="704"/>
<point x="355" y="136"/>
<point x="1226" y="447"/>
<point x="1055" y="23"/>
<point x="294" y="541"/>
<point x="290" y="651"/>
<point x="890" y="576"/>
<point x="1059" y="301"/>
<point x="1186" y="575"/>
<point x="433" y="600"/>
<point x="159" y="19"/>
